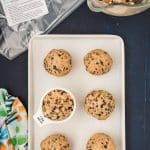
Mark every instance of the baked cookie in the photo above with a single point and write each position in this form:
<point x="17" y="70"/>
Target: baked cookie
<point x="98" y="62"/>
<point x="55" y="142"/>
<point x="100" y="104"/>
<point x="100" y="141"/>
<point x="58" y="62"/>
<point x="57" y="105"/>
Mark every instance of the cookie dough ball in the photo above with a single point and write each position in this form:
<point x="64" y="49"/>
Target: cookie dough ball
<point x="100" y="141"/>
<point x="55" y="142"/>
<point x="57" y="105"/>
<point x="58" y="62"/>
<point x="100" y="104"/>
<point x="98" y="62"/>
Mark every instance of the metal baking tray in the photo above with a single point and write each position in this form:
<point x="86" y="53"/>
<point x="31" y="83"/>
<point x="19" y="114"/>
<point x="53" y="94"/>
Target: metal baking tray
<point x="81" y="126"/>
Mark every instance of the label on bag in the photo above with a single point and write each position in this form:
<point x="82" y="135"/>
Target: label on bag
<point x="19" y="11"/>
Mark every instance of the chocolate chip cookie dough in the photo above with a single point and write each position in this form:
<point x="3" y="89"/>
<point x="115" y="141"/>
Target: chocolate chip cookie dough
<point x="57" y="105"/>
<point x="100" y="141"/>
<point x="127" y="2"/>
<point x="98" y="62"/>
<point x="58" y="62"/>
<point x="55" y="142"/>
<point x="100" y="104"/>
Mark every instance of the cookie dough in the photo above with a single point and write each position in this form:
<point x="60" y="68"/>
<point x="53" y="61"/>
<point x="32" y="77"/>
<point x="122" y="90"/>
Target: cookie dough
<point x="57" y="105"/>
<point x="55" y="142"/>
<point x="100" y="141"/>
<point x="100" y="104"/>
<point x="127" y="2"/>
<point x="58" y="62"/>
<point x="98" y="62"/>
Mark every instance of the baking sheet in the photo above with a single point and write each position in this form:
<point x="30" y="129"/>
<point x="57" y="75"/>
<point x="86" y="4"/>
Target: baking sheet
<point x="81" y="126"/>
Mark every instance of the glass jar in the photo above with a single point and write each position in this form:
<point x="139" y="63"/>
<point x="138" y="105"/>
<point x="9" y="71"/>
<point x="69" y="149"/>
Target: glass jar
<point x="118" y="9"/>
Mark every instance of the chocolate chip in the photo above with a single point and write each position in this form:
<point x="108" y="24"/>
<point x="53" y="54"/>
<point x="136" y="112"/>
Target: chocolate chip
<point x="101" y="62"/>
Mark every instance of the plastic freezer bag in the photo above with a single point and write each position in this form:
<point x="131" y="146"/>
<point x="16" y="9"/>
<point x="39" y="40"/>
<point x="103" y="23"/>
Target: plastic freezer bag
<point x="14" y="40"/>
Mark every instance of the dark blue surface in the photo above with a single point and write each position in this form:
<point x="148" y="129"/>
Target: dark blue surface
<point x="135" y="31"/>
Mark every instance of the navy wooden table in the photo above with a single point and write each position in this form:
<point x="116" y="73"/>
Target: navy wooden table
<point x="135" y="31"/>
